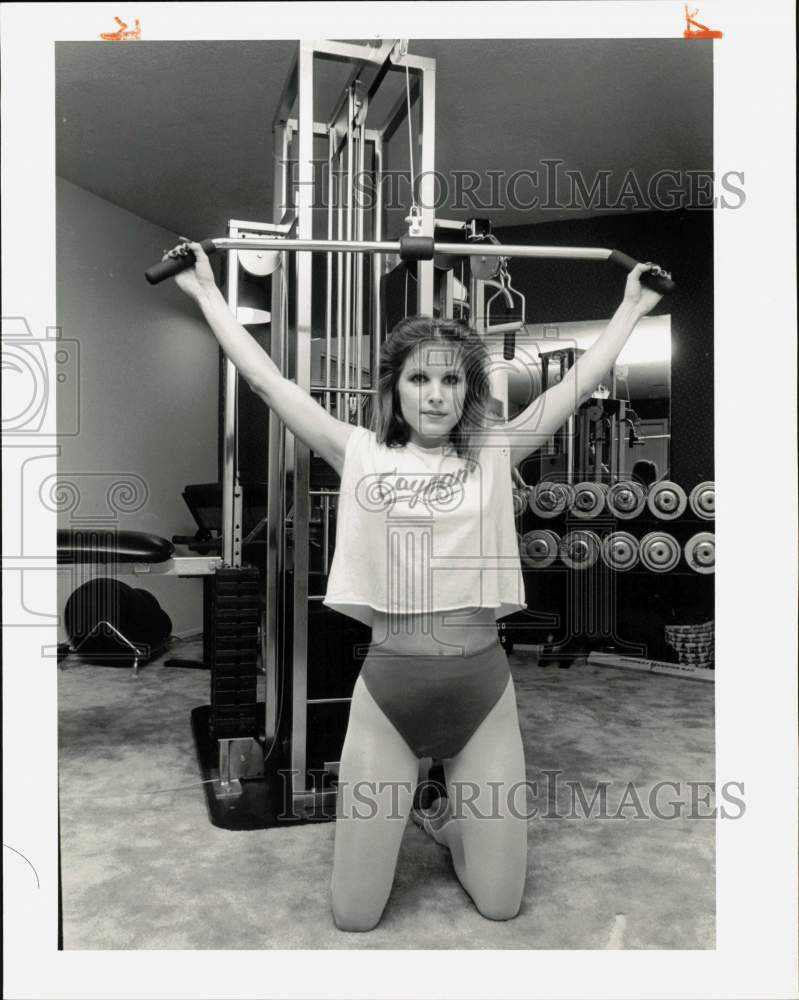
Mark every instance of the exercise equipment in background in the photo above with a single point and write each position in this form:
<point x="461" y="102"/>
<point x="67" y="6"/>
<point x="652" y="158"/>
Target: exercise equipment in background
<point x="702" y="500"/>
<point x="700" y="552"/>
<point x="589" y="500"/>
<point x="620" y="551"/>
<point x="113" y="624"/>
<point x="626" y="499"/>
<point x="109" y="622"/>
<point x="659" y="551"/>
<point x="666" y="500"/>
<point x="580" y="549"/>
<point x="550" y="499"/>
<point x="539" y="548"/>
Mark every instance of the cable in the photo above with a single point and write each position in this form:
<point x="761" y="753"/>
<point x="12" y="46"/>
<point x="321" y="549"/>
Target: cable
<point x="414" y="206"/>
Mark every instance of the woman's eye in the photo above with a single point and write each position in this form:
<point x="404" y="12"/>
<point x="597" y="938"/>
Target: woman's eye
<point x="417" y="377"/>
<point x="453" y="379"/>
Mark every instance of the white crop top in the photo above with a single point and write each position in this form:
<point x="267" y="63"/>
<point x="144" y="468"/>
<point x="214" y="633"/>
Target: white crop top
<point x="419" y="531"/>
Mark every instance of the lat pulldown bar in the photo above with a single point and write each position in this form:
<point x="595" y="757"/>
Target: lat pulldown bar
<point x="407" y="248"/>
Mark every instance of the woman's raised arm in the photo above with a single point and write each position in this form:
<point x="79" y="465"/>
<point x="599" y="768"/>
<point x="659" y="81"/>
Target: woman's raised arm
<point x="305" y="418"/>
<point x="531" y="428"/>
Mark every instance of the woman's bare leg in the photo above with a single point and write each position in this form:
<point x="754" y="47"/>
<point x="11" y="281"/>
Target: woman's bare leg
<point x="377" y="776"/>
<point x="485" y="826"/>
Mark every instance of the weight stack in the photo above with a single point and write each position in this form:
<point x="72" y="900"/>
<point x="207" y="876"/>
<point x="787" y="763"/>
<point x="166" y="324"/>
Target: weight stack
<point x="230" y="643"/>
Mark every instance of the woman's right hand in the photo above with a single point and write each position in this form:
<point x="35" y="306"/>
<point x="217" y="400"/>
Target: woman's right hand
<point x="198" y="279"/>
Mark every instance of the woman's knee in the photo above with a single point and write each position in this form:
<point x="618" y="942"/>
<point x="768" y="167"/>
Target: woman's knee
<point x="355" y="922"/>
<point x="499" y="909"/>
<point x="354" y="913"/>
<point x="498" y="881"/>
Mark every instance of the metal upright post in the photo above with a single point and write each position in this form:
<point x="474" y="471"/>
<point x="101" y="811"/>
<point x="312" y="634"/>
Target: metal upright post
<point x="302" y="337"/>
<point x="231" y="525"/>
<point x="360" y="277"/>
<point x="275" y="509"/>
<point x="348" y="257"/>
<point x="329" y="268"/>
<point x="425" y="272"/>
<point x="377" y="261"/>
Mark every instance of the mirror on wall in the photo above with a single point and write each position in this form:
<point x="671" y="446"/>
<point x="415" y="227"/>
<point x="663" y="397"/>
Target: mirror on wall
<point x="624" y="429"/>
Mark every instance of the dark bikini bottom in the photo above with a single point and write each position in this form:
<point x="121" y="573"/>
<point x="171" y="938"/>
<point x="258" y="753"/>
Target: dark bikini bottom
<point x="436" y="703"/>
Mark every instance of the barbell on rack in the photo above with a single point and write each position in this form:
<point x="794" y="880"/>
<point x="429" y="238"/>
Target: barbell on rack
<point x="408" y="248"/>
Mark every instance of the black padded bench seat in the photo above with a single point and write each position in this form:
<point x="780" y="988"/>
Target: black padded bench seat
<point x="101" y="545"/>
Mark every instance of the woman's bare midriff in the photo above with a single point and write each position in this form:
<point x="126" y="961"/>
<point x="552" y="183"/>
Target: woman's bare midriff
<point x="464" y="631"/>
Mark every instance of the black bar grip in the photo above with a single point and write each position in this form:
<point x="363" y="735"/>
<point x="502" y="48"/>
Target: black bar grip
<point x="416" y="248"/>
<point x="509" y="346"/>
<point x="657" y="282"/>
<point x="174" y="265"/>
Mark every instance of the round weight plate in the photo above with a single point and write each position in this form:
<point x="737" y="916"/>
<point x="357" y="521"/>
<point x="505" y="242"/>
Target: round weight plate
<point x="549" y="499"/>
<point x="539" y="548"/>
<point x="259" y="262"/>
<point x="589" y="500"/>
<point x="659" y="551"/>
<point x="666" y="500"/>
<point x="620" y="550"/>
<point x="626" y="499"/>
<point x="703" y="500"/>
<point x="519" y="501"/>
<point x="700" y="552"/>
<point x="580" y="549"/>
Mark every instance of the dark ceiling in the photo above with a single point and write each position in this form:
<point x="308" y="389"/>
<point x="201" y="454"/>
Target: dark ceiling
<point x="179" y="133"/>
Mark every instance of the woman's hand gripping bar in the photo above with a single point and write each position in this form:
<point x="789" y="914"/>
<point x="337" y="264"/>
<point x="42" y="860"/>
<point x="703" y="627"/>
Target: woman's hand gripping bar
<point x="656" y="278"/>
<point x="177" y="260"/>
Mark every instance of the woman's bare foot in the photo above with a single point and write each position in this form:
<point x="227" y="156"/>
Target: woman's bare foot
<point x="434" y="820"/>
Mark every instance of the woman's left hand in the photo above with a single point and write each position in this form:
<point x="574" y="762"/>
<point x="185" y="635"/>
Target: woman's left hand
<point x="642" y="298"/>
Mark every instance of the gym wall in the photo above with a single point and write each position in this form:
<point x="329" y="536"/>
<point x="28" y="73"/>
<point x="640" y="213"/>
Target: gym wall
<point x="148" y="384"/>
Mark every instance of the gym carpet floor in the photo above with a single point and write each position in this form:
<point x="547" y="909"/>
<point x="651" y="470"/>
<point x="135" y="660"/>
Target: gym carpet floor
<point x="143" y="868"/>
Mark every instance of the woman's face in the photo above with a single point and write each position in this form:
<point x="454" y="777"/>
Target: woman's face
<point x="432" y="389"/>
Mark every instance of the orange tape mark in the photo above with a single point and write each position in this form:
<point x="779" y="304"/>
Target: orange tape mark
<point x="122" y="34"/>
<point x="693" y="29"/>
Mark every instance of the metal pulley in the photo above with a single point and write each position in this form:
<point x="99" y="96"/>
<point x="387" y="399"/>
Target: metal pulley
<point x="666" y="500"/>
<point x="258" y="262"/>
<point x="484" y="268"/>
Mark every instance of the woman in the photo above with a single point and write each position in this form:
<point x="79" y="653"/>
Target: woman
<point x="426" y="555"/>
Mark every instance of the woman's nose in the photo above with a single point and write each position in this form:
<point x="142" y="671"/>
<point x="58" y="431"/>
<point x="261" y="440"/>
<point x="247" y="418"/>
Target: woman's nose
<point x="434" y="393"/>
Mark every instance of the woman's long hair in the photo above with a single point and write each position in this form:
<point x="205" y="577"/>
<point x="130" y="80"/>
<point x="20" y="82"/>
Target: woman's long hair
<point x="388" y="423"/>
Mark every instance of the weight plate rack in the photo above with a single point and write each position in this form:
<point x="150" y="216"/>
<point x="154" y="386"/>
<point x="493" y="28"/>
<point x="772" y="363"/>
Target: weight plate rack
<point x="231" y="613"/>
